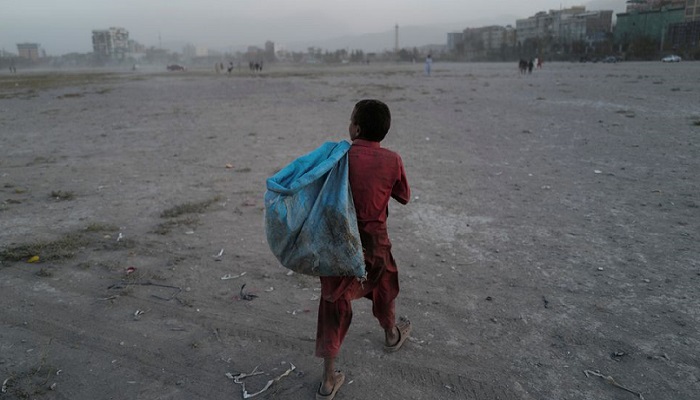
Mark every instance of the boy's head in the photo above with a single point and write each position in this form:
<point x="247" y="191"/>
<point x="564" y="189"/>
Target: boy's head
<point x="370" y="120"/>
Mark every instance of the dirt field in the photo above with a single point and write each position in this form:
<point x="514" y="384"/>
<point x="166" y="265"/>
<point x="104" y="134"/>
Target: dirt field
<point x="554" y="229"/>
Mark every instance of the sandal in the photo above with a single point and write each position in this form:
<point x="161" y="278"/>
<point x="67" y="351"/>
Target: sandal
<point x="404" y="327"/>
<point x="339" y="380"/>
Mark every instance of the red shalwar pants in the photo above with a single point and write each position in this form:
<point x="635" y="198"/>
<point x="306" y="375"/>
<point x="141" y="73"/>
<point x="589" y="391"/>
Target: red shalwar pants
<point x="337" y="294"/>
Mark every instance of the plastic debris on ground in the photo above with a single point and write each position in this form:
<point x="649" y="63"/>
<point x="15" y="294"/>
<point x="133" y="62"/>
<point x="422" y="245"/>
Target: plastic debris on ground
<point x="238" y="379"/>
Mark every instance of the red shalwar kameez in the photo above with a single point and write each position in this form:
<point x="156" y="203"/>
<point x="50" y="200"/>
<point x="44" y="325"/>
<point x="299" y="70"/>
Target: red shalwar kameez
<point x="376" y="175"/>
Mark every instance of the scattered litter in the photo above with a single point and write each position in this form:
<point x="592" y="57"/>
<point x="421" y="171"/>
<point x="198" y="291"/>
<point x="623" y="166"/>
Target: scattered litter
<point x="609" y="379"/>
<point x="238" y="379"/>
<point x="270" y="289"/>
<point x="314" y="297"/>
<point x="4" y="385"/>
<point x="229" y="166"/>
<point x="290" y="273"/>
<point x="53" y="386"/>
<point x="122" y="285"/>
<point x="218" y="256"/>
<point x="295" y="312"/>
<point x="600" y="268"/>
<point x="190" y="232"/>
<point x="59" y="372"/>
<point x="130" y="270"/>
<point x="246" y="296"/>
<point x="546" y="302"/>
<point x="597" y="171"/>
<point x="33" y="259"/>
<point x="617" y="355"/>
<point x="138" y="314"/>
<point x="229" y="276"/>
<point x="120" y="237"/>
<point x="546" y="187"/>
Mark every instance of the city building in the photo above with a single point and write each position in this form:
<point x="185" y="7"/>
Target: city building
<point x="684" y="37"/>
<point x="692" y="10"/>
<point x="191" y="51"/>
<point x="563" y="31"/>
<point x="646" y="26"/>
<point x="270" y="51"/>
<point x="482" y="43"/>
<point x="112" y="43"/>
<point x="649" y="5"/>
<point x="29" y="51"/>
<point x="455" y="41"/>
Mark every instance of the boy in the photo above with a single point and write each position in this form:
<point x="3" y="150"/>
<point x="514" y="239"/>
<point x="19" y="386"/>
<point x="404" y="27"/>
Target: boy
<point x="376" y="175"/>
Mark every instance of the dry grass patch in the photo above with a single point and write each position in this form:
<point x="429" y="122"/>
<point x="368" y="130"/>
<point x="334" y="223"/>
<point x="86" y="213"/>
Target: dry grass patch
<point x="167" y="226"/>
<point x="62" y="195"/>
<point x="62" y="248"/>
<point x="189" y="208"/>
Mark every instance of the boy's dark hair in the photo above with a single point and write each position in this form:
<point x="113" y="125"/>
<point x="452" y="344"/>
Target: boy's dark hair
<point x="373" y="118"/>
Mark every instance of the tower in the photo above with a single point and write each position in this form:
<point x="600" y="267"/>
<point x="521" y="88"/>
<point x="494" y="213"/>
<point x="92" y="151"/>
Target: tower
<point x="396" y="38"/>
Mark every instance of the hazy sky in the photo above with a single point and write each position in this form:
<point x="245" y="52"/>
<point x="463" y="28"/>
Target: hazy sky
<point x="62" y="26"/>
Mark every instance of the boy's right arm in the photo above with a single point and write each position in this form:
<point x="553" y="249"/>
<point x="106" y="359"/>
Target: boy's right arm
<point x="401" y="192"/>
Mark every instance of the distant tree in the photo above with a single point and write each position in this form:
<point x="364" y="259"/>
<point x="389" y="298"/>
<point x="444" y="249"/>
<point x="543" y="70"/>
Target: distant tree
<point x="357" y="56"/>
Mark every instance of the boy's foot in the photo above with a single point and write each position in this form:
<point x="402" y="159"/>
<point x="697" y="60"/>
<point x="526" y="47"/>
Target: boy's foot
<point x="403" y="329"/>
<point x="338" y="380"/>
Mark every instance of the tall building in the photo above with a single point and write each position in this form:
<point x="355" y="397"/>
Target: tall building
<point x="652" y="25"/>
<point x="455" y="41"/>
<point x="112" y="43"/>
<point x="685" y="36"/>
<point x="29" y="51"/>
<point x="270" y="51"/>
<point x="692" y="10"/>
<point x="559" y="30"/>
<point x="650" y="5"/>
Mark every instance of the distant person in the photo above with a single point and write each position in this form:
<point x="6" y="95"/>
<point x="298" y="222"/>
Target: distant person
<point x="522" y="66"/>
<point x="376" y="175"/>
<point x="428" y="65"/>
<point x="230" y="67"/>
<point x="529" y="66"/>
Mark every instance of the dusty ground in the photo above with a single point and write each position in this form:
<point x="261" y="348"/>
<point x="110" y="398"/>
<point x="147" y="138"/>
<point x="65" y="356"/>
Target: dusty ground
<point x="554" y="229"/>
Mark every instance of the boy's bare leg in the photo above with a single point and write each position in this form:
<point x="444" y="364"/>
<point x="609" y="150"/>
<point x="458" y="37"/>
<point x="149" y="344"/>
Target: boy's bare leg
<point x="392" y="336"/>
<point x="328" y="382"/>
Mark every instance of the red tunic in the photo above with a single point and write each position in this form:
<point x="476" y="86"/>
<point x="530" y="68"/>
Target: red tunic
<point x="376" y="175"/>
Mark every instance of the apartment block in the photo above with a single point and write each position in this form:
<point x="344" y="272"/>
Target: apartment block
<point x="565" y="26"/>
<point x="112" y="43"/>
<point x="29" y="51"/>
<point x="651" y="24"/>
<point x="650" y="5"/>
<point x="692" y="10"/>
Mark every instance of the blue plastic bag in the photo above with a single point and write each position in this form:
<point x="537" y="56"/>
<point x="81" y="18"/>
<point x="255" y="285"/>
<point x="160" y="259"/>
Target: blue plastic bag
<point x="310" y="219"/>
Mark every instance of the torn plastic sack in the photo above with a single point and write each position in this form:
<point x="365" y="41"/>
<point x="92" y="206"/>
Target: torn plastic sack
<point x="310" y="219"/>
